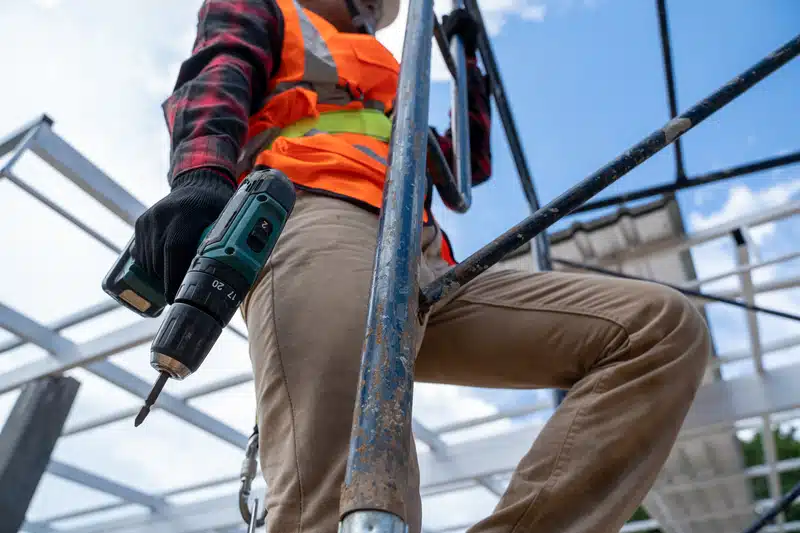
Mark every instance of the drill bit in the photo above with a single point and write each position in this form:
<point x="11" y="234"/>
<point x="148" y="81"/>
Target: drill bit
<point x="151" y="399"/>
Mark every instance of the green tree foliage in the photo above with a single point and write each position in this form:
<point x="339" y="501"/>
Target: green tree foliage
<point x="788" y="444"/>
<point x="787" y="441"/>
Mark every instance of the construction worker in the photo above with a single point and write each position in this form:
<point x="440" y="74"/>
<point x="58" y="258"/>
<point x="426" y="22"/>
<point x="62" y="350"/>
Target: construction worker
<point x="298" y="86"/>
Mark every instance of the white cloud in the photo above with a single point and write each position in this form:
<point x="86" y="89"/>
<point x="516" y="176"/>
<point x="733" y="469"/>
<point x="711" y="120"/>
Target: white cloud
<point x="495" y="14"/>
<point x="743" y="201"/>
<point x="534" y="12"/>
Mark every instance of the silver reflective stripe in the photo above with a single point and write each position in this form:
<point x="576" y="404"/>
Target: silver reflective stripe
<point x="371" y="153"/>
<point x="320" y="66"/>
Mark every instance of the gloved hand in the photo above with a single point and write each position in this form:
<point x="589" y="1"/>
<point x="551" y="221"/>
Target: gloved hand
<point x="460" y="22"/>
<point x="166" y="236"/>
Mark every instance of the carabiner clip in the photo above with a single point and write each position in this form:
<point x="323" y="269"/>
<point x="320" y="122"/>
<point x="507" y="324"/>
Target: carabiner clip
<point x="247" y="475"/>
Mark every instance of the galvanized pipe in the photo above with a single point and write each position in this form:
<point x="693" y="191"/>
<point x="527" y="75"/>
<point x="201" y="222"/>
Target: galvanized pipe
<point x="376" y="478"/>
<point x="462" y="166"/>
<point x="454" y="190"/>
<point x="532" y="226"/>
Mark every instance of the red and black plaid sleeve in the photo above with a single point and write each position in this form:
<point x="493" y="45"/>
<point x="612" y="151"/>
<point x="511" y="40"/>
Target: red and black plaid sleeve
<point x="236" y="50"/>
<point x="480" y="119"/>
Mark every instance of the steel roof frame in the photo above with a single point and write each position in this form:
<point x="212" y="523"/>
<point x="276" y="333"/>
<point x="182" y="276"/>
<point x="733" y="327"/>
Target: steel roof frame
<point x="759" y="396"/>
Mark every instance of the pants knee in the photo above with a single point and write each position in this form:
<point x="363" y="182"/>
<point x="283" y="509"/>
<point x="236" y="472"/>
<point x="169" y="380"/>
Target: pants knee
<point x="681" y="328"/>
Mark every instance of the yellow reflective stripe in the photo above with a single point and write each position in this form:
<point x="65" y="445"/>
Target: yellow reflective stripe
<point x="368" y="122"/>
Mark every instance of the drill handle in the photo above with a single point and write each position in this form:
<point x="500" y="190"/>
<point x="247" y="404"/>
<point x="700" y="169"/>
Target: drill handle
<point x="128" y="284"/>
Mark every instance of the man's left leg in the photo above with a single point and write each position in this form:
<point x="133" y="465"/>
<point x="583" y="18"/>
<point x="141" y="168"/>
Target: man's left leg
<point x="632" y="355"/>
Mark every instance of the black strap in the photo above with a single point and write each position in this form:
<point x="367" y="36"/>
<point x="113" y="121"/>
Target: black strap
<point x="358" y="19"/>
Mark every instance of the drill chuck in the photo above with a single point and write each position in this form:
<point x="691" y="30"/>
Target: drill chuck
<point x="229" y="258"/>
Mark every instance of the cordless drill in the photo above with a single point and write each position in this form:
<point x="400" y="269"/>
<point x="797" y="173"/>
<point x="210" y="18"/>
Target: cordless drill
<point x="231" y="253"/>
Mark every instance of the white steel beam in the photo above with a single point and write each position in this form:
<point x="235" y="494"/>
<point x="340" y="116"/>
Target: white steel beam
<point x="747" y="267"/>
<point x="14" y="139"/>
<point x="102" y="484"/>
<point x="68" y="321"/>
<point x="69" y="354"/>
<point x="74" y="166"/>
<point x="677" y="244"/>
<point x="84" y="355"/>
<point x="91" y="352"/>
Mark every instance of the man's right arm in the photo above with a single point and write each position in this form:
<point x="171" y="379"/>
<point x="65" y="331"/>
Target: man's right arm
<point x="236" y="51"/>
<point x="219" y="86"/>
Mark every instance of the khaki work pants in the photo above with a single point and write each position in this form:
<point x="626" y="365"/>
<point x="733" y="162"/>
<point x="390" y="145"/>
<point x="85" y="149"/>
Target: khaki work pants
<point x="631" y="353"/>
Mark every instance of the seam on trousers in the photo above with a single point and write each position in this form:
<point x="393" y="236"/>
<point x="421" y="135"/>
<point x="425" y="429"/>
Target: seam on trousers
<point x="288" y="396"/>
<point x="558" y="466"/>
<point x="554" y="308"/>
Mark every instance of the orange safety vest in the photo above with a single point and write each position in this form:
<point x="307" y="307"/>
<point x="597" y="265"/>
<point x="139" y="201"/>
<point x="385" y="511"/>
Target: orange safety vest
<point x="323" y="70"/>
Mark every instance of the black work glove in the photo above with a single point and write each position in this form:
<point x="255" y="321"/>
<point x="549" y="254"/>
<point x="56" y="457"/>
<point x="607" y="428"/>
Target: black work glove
<point x="166" y="236"/>
<point x="461" y="23"/>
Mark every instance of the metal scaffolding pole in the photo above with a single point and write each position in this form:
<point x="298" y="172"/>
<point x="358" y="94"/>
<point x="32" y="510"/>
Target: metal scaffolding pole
<point x="376" y="478"/>
<point x="702" y="179"/>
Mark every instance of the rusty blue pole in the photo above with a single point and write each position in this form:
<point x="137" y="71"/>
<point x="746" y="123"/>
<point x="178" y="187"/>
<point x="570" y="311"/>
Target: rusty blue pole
<point x="545" y="217"/>
<point x="376" y="478"/>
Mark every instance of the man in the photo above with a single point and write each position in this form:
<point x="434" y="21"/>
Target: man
<point x="295" y="85"/>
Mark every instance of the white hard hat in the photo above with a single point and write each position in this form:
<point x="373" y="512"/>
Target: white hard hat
<point x="391" y="8"/>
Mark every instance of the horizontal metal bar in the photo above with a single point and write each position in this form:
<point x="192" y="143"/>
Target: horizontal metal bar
<point x="74" y="166"/>
<point x="83" y="355"/>
<point x="78" y="513"/>
<point x="502" y="414"/>
<point x="512" y="239"/>
<point x="676" y="244"/>
<point x="61" y="211"/>
<point x="83" y="315"/>
<point x="105" y="485"/>
<point x="69" y="355"/>
<point x="687" y="292"/>
<point x="697" y="181"/>
<point x="199" y="392"/>
<point x="90" y="352"/>
<point x="749" y="267"/>
<point x="764" y="286"/>
<point x="766" y="349"/>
